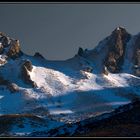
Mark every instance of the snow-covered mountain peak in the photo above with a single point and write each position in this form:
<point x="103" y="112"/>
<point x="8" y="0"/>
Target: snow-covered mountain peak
<point x="119" y="29"/>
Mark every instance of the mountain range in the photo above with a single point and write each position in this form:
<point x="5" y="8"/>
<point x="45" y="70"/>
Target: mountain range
<point x="38" y="97"/>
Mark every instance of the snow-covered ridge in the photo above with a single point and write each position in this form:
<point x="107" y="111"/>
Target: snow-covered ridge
<point x="67" y="91"/>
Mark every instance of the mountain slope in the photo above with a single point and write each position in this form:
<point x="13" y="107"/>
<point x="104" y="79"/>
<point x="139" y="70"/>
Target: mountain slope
<point x="91" y="83"/>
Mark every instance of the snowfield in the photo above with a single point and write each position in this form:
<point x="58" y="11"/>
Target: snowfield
<point x="62" y="94"/>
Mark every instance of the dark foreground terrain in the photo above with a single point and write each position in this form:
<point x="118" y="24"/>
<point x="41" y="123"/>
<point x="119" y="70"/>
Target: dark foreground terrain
<point x="123" y="122"/>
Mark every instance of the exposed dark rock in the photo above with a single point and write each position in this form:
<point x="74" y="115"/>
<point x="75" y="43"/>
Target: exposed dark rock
<point x="80" y="51"/>
<point x="1" y="48"/>
<point x="4" y="39"/>
<point x="105" y="71"/>
<point x="136" y="56"/>
<point x="38" y="55"/>
<point x="28" y="65"/>
<point x="25" y="74"/>
<point x="14" y="49"/>
<point x="117" y="44"/>
<point x="3" y="61"/>
<point x="9" y="46"/>
<point x="12" y="87"/>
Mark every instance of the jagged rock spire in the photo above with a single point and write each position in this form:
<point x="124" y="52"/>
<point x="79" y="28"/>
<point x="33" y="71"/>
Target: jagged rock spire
<point x="116" y="49"/>
<point x="9" y="46"/>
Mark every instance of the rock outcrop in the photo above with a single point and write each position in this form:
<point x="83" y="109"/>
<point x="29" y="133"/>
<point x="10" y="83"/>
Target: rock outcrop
<point x="136" y="56"/>
<point x="25" y="68"/>
<point x="13" y="87"/>
<point x="38" y="55"/>
<point x="28" y="65"/>
<point x="105" y="70"/>
<point x="117" y="43"/>
<point x="4" y="39"/>
<point x="80" y="51"/>
<point x="9" y="46"/>
<point x="14" y="49"/>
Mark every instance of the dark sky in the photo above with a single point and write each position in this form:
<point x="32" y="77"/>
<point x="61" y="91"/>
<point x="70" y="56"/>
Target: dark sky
<point x="57" y="30"/>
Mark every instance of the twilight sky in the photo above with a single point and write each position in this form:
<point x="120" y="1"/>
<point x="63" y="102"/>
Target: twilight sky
<point x="57" y="30"/>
